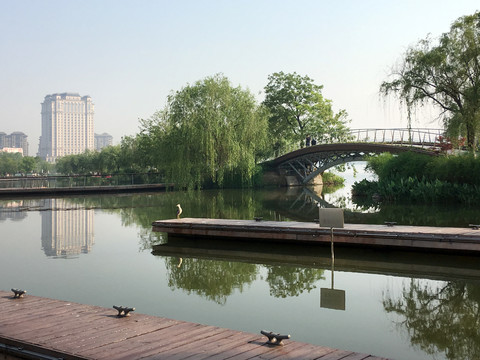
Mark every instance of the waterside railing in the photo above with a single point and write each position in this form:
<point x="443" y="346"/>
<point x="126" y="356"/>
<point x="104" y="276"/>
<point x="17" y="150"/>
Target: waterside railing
<point x="78" y="181"/>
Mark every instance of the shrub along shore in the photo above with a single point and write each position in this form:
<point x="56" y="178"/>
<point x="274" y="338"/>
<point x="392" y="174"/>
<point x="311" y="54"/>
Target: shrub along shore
<point x="414" y="178"/>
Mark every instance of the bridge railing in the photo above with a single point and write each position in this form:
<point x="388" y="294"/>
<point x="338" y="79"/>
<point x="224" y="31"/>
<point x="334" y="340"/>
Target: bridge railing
<point x="424" y="137"/>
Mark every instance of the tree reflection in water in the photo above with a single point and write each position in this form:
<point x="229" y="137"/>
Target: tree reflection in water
<point x="440" y="319"/>
<point x="216" y="280"/>
<point x="288" y="281"/>
<point x="212" y="279"/>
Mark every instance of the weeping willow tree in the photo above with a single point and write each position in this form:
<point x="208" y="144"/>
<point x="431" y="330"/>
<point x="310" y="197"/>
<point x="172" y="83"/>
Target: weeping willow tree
<point x="446" y="74"/>
<point x="209" y="133"/>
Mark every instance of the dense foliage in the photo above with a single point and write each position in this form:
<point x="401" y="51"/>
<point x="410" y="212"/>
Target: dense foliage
<point x="446" y="74"/>
<point x="15" y="163"/>
<point x="210" y="133"/>
<point x="297" y="109"/>
<point x="119" y="159"/>
<point x="420" y="178"/>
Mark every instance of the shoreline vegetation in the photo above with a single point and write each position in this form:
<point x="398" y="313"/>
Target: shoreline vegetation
<point x="413" y="178"/>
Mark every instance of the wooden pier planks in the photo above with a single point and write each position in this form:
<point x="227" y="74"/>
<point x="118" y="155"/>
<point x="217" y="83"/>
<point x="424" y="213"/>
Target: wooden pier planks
<point x="74" y="331"/>
<point x="399" y="236"/>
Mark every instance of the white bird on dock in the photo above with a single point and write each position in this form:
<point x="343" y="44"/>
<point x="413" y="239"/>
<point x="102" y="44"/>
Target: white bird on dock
<point x="179" y="211"/>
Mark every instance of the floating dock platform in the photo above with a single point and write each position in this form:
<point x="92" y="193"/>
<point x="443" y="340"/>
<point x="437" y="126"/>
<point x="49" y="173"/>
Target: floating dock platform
<point x="449" y="239"/>
<point x="40" y="328"/>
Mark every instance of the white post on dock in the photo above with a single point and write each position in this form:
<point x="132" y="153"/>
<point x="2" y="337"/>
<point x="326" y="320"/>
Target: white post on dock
<point x="332" y="218"/>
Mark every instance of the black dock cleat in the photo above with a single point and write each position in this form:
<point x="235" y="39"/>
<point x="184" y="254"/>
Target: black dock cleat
<point x="273" y="338"/>
<point x="17" y="293"/>
<point x="123" y="310"/>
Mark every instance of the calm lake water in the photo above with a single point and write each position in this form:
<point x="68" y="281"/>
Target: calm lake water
<point x="97" y="250"/>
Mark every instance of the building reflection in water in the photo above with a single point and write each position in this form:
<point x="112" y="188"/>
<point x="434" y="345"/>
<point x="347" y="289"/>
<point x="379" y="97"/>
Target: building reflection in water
<point x="12" y="210"/>
<point x="66" y="231"/>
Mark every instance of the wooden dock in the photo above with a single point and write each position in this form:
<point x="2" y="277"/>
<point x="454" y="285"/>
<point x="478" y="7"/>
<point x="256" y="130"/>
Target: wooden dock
<point x="449" y="239"/>
<point x="82" y="190"/>
<point x="40" y="328"/>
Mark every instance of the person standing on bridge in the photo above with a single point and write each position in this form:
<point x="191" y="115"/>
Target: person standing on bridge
<point x="307" y="140"/>
<point x="314" y="142"/>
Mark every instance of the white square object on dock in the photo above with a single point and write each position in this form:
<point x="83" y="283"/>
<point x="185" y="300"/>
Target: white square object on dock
<point x="331" y="217"/>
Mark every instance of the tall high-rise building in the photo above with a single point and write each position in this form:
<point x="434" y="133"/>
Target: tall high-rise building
<point x="67" y="125"/>
<point x="16" y="140"/>
<point x="102" y="140"/>
<point x="3" y="140"/>
<point x="19" y="140"/>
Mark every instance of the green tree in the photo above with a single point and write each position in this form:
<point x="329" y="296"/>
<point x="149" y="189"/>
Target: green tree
<point x="10" y="163"/>
<point x="298" y="108"/>
<point x="208" y="131"/>
<point x="27" y="165"/>
<point x="446" y="74"/>
<point x="108" y="160"/>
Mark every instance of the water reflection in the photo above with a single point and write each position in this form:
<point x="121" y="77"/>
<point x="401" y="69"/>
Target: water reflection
<point x="213" y="280"/>
<point x="196" y="269"/>
<point x="288" y="281"/>
<point x="66" y="233"/>
<point x="441" y="318"/>
<point x="436" y="309"/>
<point x="10" y="210"/>
<point x="297" y="203"/>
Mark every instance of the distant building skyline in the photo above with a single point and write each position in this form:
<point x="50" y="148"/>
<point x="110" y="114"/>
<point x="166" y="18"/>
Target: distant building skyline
<point x="16" y="140"/>
<point x="67" y="125"/>
<point x="103" y="140"/>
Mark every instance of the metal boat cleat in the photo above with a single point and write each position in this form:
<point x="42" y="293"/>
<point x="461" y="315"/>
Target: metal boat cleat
<point x="390" y="223"/>
<point x="17" y="293"/>
<point x="123" y="310"/>
<point x="474" y="227"/>
<point x="273" y="338"/>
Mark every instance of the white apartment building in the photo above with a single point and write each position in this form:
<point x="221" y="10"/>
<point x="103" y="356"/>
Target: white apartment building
<point x="67" y="125"/>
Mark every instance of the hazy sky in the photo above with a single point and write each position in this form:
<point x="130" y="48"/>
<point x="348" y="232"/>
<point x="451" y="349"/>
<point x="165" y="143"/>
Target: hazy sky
<point x="129" y="55"/>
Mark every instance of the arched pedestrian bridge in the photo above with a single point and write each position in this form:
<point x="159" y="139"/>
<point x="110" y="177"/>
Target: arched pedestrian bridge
<point x="308" y="162"/>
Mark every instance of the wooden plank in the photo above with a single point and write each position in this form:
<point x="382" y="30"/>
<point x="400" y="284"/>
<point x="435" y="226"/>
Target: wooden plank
<point x="202" y="346"/>
<point x="147" y="344"/>
<point x="102" y="337"/>
<point x="298" y="350"/>
<point x="229" y="340"/>
<point x="37" y="320"/>
<point x="357" y="356"/>
<point x="77" y="332"/>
